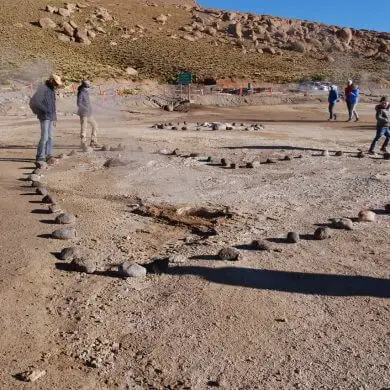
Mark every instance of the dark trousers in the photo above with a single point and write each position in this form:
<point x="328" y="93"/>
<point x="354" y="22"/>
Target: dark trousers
<point x="384" y="131"/>
<point x="331" y="110"/>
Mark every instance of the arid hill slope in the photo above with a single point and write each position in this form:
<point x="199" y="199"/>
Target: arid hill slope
<point x="101" y="39"/>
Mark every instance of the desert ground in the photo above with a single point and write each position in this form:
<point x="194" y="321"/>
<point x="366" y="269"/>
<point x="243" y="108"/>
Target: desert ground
<point x="310" y="315"/>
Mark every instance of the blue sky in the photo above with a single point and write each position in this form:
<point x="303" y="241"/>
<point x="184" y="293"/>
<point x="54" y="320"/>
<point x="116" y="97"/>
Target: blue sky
<point x="371" y="15"/>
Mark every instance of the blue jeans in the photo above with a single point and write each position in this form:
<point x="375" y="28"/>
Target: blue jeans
<point x="383" y="132"/>
<point x="45" y="143"/>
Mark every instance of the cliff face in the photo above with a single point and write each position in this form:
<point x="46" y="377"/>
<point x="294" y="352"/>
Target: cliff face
<point x="161" y="37"/>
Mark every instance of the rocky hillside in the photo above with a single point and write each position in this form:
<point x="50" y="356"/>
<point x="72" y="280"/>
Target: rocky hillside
<point x="157" y="39"/>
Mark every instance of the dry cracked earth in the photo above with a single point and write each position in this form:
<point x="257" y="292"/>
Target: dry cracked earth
<point x="311" y="315"/>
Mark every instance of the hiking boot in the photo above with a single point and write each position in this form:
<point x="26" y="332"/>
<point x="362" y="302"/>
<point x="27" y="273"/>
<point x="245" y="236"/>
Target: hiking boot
<point x="95" y="144"/>
<point x="335" y="117"/>
<point x="357" y="120"/>
<point x="372" y="153"/>
<point x="384" y="150"/>
<point x="51" y="160"/>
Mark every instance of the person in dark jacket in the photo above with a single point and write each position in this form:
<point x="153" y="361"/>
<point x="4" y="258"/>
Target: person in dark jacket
<point x="85" y="114"/>
<point x="43" y="104"/>
<point x="353" y="99"/>
<point x="333" y="98"/>
<point x="382" y="125"/>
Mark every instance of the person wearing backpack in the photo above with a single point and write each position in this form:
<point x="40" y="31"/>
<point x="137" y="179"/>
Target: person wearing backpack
<point x="43" y="105"/>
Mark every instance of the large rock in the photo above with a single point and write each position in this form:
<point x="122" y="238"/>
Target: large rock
<point x="131" y="71"/>
<point x="67" y="29"/>
<point x="237" y="30"/>
<point x="345" y="35"/>
<point x="83" y="264"/>
<point x="103" y="15"/>
<point x="367" y="216"/>
<point x="129" y="270"/>
<point x="64" y="234"/>
<point x="51" y="9"/>
<point x="65" y="13"/>
<point x="65" y="219"/>
<point x="70" y="253"/>
<point x="162" y="19"/>
<point x="47" y="23"/>
<point x="229" y="253"/>
<point x="81" y="36"/>
<point x="64" y="38"/>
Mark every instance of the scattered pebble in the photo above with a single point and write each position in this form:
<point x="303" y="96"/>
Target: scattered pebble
<point x="260" y="245"/>
<point x="322" y="233"/>
<point x="65" y="219"/>
<point x="41" y="191"/>
<point x="55" y="208"/>
<point x="70" y="253"/>
<point x="224" y="162"/>
<point x="270" y="161"/>
<point x="64" y="234"/>
<point x="360" y="154"/>
<point x="36" y="184"/>
<point x="287" y="158"/>
<point x="293" y="237"/>
<point x="233" y="166"/>
<point x="229" y="253"/>
<point x="35" y="177"/>
<point x="131" y="270"/>
<point x="342" y="223"/>
<point x="177" y="259"/>
<point x="253" y="164"/>
<point x="367" y="216"/>
<point x="31" y="375"/>
<point x="81" y="264"/>
<point x="49" y="199"/>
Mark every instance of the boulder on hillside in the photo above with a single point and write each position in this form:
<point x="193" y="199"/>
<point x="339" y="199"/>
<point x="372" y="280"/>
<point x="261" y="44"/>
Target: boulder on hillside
<point x="47" y="23"/>
<point x="67" y="29"/>
<point x="131" y="71"/>
<point x="229" y="16"/>
<point x="345" y="35"/>
<point x="102" y="14"/>
<point x="162" y="19"/>
<point x="237" y="30"/>
<point x="82" y="36"/>
<point x="65" y="13"/>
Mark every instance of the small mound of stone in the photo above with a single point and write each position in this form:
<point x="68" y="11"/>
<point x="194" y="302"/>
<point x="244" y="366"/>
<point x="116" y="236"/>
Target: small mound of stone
<point x="64" y="234"/>
<point x="233" y="166"/>
<point x="339" y="153"/>
<point x="342" y="223"/>
<point x="270" y="161"/>
<point x="114" y="162"/>
<point x="367" y="216"/>
<point x="49" y="199"/>
<point x="287" y="158"/>
<point x="322" y="233"/>
<point x="36" y="184"/>
<point x="131" y="270"/>
<point x="34" y="177"/>
<point x="360" y="154"/>
<point x="177" y="259"/>
<point x="42" y="191"/>
<point x="70" y="253"/>
<point x="31" y="375"/>
<point x="229" y="254"/>
<point x="84" y="265"/>
<point x="224" y="162"/>
<point x="174" y="128"/>
<point x="54" y="209"/>
<point x="260" y="245"/>
<point x="65" y="219"/>
<point x="104" y="148"/>
<point x="293" y="237"/>
<point x="253" y="164"/>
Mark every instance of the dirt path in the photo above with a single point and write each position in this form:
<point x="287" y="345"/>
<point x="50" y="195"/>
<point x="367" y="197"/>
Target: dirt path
<point x="308" y="316"/>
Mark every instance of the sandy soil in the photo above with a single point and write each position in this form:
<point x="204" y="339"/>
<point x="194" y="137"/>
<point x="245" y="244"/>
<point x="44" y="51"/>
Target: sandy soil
<point x="312" y="315"/>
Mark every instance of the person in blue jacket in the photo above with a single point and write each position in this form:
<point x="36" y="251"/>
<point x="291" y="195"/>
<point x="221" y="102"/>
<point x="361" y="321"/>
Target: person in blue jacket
<point x="333" y="98"/>
<point x="353" y="100"/>
<point x="43" y="105"/>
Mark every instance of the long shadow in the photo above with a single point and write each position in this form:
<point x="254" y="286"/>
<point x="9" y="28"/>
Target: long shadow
<point x="40" y="211"/>
<point x="272" y="147"/>
<point x="48" y="221"/>
<point x="293" y="282"/>
<point x="15" y="159"/>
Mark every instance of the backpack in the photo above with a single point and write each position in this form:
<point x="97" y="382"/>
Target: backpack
<point x="33" y="104"/>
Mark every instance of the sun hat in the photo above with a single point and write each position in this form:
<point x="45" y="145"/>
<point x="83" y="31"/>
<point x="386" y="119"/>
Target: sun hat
<point x="56" y="79"/>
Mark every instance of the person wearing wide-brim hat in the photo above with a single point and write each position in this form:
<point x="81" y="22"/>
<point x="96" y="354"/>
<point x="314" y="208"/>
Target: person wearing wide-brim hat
<point x="43" y="104"/>
<point x="85" y="113"/>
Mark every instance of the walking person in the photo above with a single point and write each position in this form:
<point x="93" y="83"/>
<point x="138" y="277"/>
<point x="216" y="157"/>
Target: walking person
<point x="382" y="125"/>
<point x="353" y="101"/>
<point x="43" y="104"/>
<point x="333" y="98"/>
<point x="85" y="114"/>
<point x="347" y="93"/>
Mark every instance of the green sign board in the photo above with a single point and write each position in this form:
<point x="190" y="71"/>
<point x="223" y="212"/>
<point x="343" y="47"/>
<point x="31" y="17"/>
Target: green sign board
<point x="185" y="78"/>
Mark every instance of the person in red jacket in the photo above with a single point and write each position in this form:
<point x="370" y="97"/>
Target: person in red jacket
<point x="347" y="96"/>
